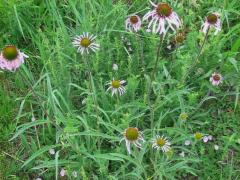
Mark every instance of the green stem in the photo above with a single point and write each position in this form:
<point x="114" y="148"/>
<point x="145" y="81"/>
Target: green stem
<point x="157" y="58"/>
<point x="150" y="105"/>
<point x="198" y="56"/>
<point x="141" y="57"/>
<point x="92" y="89"/>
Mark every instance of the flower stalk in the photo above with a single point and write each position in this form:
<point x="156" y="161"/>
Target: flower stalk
<point x="198" y="55"/>
<point x="91" y="88"/>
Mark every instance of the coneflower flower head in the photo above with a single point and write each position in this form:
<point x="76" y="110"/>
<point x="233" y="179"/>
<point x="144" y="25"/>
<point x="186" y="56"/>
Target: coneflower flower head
<point x="179" y="38"/>
<point x="161" y="143"/>
<point x="117" y="87"/>
<point x="11" y="58"/>
<point x="85" y="43"/>
<point x="216" y="79"/>
<point x="133" y="23"/>
<point x="160" y="16"/>
<point x="134" y="136"/>
<point x="212" y="21"/>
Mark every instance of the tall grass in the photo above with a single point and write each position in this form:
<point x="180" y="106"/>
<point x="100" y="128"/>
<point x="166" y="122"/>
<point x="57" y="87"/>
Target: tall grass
<point x="53" y="87"/>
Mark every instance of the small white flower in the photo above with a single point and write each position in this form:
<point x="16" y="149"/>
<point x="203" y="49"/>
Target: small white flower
<point x="117" y="87"/>
<point x="205" y="139"/>
<point x="169" y="47"/>
<point x="85" y="43"/>
<point x="182" y="154"/>
<point x="216" y="147"/>
<point x="212" y="21"/>
<point x="160" y="16"/>
<point x="133" y="23"/>
<point x="38" y="179"/>
<point x="11" y="58"/>
<point x="74" y="174"/>
<point x="187" y="142"/>
<point x="84" y="101"/>
<point x="62" y="172"/>
<point x="161" y="142"/>
<point x="216" y="79"/>
<point x="115" y="67"/>
<point x="51" y="151"/>
<point x="210" y="137"/>
<point x="132" y="135"/>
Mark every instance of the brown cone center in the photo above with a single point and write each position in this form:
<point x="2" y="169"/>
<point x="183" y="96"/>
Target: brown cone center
<point x="164" y="10"/>
<point x="85" y="42"/>
<point x="10" y="52"/>
<point x="216" y="77"/>
<point x="116" y="84"/>
<point x="161" y="142"/>
<point x="179" y="38"/>
<point x="131" y="134"/>
<point x="212" y="18"/>
<point x="134" y="19"/>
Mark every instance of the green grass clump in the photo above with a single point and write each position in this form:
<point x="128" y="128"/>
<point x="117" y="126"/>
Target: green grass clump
<point x="53" y="102"/>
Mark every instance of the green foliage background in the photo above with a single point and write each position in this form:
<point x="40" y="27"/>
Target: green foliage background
<point x="52" y="85"/>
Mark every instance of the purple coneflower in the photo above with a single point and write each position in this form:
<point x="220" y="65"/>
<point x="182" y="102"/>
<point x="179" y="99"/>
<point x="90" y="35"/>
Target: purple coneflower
<point x="133" y="23"/>
<point x="11" y="58"/>
<point x="216" y="79"/>
<point x="160" y="16"/>
<point x="212" y="21"/>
